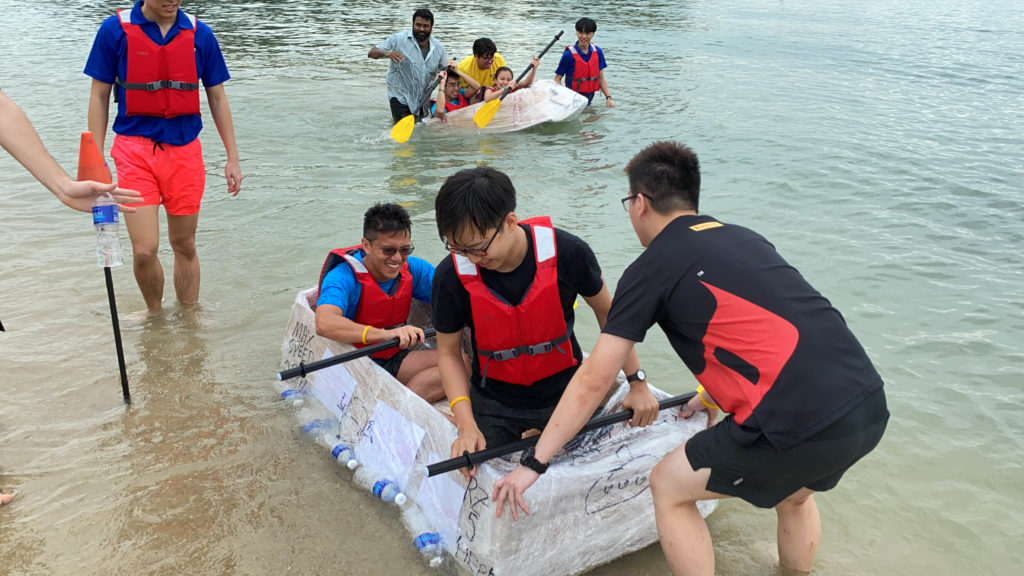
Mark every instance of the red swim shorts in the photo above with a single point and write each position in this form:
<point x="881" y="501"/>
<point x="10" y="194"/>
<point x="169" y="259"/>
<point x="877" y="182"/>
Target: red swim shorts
<point x="174" y="176"/>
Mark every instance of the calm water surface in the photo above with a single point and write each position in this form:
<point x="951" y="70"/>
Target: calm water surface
<point x="877" y="144"/>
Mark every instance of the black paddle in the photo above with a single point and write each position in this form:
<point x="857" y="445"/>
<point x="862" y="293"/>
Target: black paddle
<point x="302" y="369"/>
<point x="469" y="460"/>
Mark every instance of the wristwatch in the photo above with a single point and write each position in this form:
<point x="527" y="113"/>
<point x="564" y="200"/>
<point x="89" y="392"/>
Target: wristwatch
<point x="637" y="376"/>
<point x="532" y="463"/>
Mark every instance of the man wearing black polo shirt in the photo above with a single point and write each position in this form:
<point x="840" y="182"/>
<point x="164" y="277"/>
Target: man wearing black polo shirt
<point x="803" y="399"/>
<point x="513" y="283"/>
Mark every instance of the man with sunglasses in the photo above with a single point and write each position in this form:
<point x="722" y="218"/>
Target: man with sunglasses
<point x="513" y="283"/>
<point x="367" y="299"/>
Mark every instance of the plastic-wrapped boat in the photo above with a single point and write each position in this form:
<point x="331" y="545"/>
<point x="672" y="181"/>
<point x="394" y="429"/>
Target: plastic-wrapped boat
<point x="592" y="506"/>
<point x="542" y="101"/>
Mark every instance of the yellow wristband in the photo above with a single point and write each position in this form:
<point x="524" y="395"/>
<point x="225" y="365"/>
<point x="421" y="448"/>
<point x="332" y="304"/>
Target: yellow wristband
<point x="700" y="394"/>
<point x="365" y="330"/>
<point x="452" y="404"/>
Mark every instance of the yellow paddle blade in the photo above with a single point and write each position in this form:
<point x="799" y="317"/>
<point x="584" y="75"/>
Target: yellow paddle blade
<point x="403" y="128"/>
<point x="486" y="113"/>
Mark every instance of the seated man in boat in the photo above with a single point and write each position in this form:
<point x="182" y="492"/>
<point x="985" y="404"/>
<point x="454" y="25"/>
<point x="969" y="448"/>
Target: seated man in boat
<point x="804" y="401"/>
<point x="503" y="79"/>
<point x="483" y="64"/>
<point x="365" y="293"/>
<point x="450" y="93"/>
<point x="513" y="283"/>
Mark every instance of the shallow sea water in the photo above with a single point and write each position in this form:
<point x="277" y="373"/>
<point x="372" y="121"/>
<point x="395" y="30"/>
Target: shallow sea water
<point x="877" y="144"/>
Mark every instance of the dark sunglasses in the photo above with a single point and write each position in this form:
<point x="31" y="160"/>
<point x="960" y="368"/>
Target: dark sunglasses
<point x="390" y="251"/>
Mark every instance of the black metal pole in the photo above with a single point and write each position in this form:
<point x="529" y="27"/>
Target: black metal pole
<point x="468" y="460"/>
<point x="117" y="335"/>
<point x="302" y="369"/>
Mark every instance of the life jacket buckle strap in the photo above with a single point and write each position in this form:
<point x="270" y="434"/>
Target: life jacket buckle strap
<point x="540" y="348"/>
<point x="502" y="355"/>
<point x="176" y="85"/>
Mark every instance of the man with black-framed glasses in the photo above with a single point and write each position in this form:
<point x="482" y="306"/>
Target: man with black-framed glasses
<point x="513" y="283"/>
<point x="804" y="401"/>
<point x="368" y="299"/>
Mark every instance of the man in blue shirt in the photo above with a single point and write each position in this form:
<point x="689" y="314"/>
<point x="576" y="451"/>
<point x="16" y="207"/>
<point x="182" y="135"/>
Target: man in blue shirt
<point x="366" y="292"/>
<point x="582" y="72"/>
<point x="157" y="55"/>
<point x="415" y="59"/>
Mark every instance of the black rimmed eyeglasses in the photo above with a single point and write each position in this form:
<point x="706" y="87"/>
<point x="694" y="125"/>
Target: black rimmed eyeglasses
<point x="629" y="200"/>
<point x="476" y="252"/>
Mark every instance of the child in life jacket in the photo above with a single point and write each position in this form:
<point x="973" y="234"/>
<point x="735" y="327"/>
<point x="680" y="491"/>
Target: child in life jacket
<point x="503" y="79"/>
<point x="450" y="93"/>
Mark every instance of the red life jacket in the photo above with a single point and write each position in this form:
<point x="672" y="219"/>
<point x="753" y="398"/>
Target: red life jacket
<point x="161" y="80"/>
<point x="586" y="74"/>
<point x="521" y="344"/>
<point x="462" y="103"/>
<point x="376" y="308"/>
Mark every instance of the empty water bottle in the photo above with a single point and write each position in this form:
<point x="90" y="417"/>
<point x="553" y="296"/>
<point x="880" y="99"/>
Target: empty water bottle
<point x="345" y="456"/>
<point x="105" y="220"/>
<point x="293" y="397"/>
<point x="315" y="423"/>
<point x="429" y="544"/>
<point x="388" y="491"/>
<point x="426" y="540"/>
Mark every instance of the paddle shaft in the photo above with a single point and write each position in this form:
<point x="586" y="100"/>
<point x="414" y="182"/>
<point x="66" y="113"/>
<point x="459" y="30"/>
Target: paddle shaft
<point x="302" y="369"/>
<point x="117" y="335"/>
<point x="426" y="97"/>
<point x="469" y="460"/>
<point x="530" y="67"/>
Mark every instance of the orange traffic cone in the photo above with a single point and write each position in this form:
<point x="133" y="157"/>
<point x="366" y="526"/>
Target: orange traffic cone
<point x="91" y="165"/>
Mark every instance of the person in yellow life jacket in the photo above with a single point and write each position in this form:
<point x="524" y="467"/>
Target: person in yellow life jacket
<point x="582" y="65"/>
<point x="365" y="292"/>
<point x="513" y="283"/>
<point x="154" y="57"/>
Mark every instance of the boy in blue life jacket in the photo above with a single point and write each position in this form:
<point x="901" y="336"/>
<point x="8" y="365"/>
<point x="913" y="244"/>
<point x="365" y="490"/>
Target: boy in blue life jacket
<point x="582" y="65"/>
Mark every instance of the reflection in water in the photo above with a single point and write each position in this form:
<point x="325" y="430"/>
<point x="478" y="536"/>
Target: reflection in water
<point x="178" y="441"/>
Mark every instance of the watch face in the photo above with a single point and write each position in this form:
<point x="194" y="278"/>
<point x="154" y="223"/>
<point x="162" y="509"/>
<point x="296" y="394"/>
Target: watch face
<point x="641" y="375"/>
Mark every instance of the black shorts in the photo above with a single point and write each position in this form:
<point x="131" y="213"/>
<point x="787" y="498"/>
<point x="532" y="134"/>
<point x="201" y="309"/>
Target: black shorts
<point x="393" y="364"/>
<point x="500" y="423"/>
<point x="764" y="476"/>
<point x="400" y="110"/>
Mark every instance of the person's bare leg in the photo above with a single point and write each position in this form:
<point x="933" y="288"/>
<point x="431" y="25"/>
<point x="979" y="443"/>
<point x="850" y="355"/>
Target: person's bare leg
<point x="685" y="540"/>
<point x="419" y="373"/>
<point x="181" y="232"/>
<point x="799" y="531"/>
<point x="5" y="498"/>
<point x="144" y="232"/>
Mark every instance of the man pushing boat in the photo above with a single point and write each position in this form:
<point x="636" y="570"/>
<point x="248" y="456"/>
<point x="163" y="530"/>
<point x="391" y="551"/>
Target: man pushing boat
<point x="513" y="283"/>
<point x="365" y="292"/>
<point x="804" y="401"/>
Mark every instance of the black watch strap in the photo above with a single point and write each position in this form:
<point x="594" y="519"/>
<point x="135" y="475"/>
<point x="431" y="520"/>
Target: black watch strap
<point x="532" y="463"/>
